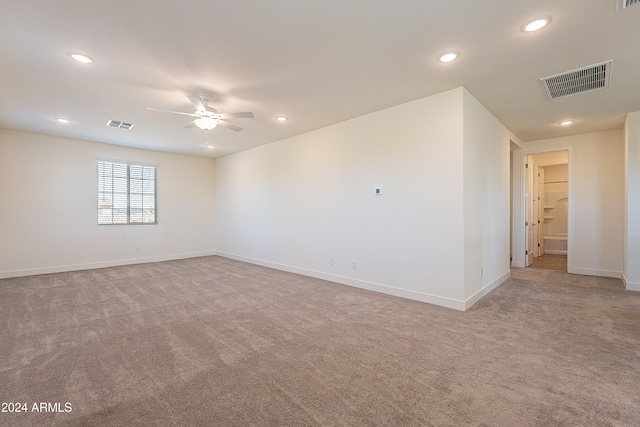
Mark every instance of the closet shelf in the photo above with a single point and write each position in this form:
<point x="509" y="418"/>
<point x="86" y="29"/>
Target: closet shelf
<point x="556" y="237"/>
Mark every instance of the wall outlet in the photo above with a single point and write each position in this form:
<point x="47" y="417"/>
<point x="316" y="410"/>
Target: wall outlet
<point x="332" y="261"/>
<point x="354" y="265"/>
<point x="481" y="272"/>
<point x="250" y="248"/>
<point x="379" y="191"/>
<point x="138" y="249"/>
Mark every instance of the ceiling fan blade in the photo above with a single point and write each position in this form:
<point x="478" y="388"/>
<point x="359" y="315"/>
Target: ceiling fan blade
<point x="229" y="125"/>
<point x="173" y="112"/>
<point x="197" y="102"/>
<point x="190" y="124"/>
<point x="246" y="115"/>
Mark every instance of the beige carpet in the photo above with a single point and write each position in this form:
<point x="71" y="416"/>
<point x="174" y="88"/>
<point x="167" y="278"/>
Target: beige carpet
<point x="212" y="341"/>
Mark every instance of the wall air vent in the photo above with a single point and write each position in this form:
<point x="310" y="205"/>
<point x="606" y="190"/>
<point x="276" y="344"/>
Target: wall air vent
<point x="623" y="4"/>
<point x="583" y="79"/>
<point x="117" y="124"/>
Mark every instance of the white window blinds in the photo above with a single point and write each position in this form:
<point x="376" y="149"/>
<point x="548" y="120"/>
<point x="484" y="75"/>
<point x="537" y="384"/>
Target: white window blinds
<point x="126" y="193"/>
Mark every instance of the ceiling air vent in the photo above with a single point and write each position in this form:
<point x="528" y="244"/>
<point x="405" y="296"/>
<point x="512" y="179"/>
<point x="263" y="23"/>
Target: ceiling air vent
<point x="623" y="4"/>
<point x="583" y="79"/>
<point x="117" y="124"/>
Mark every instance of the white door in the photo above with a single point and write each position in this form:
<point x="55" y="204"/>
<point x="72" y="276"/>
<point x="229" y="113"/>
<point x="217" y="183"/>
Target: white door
<point x="528" y="196"/>
<point x="536" y="213"/>
<point x="540" y="211"/>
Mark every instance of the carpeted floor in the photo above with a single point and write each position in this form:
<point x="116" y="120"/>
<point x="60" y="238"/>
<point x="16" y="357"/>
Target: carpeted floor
<point x="216" y="342"/>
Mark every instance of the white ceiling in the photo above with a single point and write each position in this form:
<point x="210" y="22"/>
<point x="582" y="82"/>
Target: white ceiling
<point x="316" y="62"/>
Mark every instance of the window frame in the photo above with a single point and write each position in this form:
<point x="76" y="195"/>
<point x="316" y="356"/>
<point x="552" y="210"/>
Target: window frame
<point x="108" y="191"/>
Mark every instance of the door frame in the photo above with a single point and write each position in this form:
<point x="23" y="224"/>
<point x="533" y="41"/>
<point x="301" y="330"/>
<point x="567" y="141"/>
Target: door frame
<point x="519" y="205"/>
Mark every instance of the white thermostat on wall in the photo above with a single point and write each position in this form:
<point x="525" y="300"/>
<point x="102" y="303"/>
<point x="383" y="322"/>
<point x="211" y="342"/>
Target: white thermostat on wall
<point x="379" y="191"/>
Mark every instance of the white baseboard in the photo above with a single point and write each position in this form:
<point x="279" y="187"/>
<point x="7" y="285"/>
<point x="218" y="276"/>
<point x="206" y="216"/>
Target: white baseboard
<point x="485" y="291"/>
<point x="631" y="286"/>
<point x="357" y="283"/>
<point x="101" y="264"/>
<point x="595" y="272"/>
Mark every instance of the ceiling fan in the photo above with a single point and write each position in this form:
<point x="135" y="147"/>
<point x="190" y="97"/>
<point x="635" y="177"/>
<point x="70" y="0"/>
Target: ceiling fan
<point x="207" y="117"/>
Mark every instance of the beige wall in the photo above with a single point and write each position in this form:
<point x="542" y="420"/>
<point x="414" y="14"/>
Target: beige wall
<point x="48" y="210"/>
<point x="298" y="203"/>
<point x="596" y="201"/>
<point x="486" y="199"/>
<point x="551" y="158"/>
<point x="631" y="270"/>
<point x="555" y="173"/>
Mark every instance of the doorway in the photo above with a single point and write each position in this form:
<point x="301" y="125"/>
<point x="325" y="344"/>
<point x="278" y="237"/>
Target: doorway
<point x="547" y="210"/>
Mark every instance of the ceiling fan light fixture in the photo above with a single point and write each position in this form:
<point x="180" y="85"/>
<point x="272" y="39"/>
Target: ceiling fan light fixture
<point x="206" y="123"/>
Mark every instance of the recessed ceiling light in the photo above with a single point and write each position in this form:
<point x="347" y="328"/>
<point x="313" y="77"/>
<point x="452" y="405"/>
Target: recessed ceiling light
<point x="448" y="56"/>
<point x="566" y="122"/>
<point x="80" y="58"/>
<point x="536" y="24"/>
<point x="61" y="120"/>
<point x="281" y="119"/>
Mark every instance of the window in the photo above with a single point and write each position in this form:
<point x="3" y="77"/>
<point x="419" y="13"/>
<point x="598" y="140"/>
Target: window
<point x="126" y="193"/>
